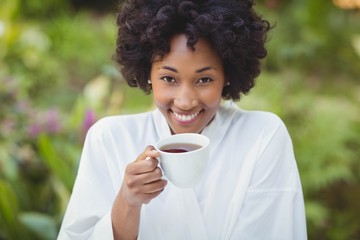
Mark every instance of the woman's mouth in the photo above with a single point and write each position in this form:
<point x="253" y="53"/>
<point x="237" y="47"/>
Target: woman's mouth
<point x="186" y="118"/>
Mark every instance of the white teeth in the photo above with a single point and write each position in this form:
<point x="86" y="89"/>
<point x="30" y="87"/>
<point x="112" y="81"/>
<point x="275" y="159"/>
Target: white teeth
<point x="185" y="118"/>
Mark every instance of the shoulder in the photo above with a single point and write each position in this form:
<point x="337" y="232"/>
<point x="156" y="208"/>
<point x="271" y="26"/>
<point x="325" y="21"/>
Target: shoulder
<point x="250" y="117"/>
<point x="264" y="118"/>
<point x="119" y="123"/>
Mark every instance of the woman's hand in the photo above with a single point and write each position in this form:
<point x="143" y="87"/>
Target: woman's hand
<point x="142" y="181"/>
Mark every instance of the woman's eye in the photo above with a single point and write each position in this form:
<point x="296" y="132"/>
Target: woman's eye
<point x="168" y="79"/>
<point x="205" y="80"/>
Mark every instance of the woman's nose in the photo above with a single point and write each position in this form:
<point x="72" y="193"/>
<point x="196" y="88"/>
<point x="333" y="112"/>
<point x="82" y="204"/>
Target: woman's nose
<point x="186" y="98"/>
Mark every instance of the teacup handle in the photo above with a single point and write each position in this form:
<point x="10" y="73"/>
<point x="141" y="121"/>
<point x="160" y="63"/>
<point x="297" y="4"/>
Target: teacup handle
<point x="162" y="170"/>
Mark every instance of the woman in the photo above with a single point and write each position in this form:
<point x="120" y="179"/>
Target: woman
<point x="190" y="55"/>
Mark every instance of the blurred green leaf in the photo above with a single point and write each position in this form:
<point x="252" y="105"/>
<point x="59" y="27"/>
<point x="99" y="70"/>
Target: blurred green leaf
<point x="56" y="163"/>
<point x="9" y="210"/>
<point x="41" y="224"/>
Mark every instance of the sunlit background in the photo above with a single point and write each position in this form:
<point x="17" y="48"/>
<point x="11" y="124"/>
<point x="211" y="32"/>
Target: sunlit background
<point x="347" y="4"/>
<point x="57" y="77"/>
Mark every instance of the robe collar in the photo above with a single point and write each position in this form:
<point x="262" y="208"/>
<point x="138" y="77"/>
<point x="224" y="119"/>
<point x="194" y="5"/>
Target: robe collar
<point x="183" y="202"/>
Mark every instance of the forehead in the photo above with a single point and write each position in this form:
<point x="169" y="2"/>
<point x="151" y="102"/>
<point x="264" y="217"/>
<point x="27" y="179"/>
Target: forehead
<point x="180" y="53"/>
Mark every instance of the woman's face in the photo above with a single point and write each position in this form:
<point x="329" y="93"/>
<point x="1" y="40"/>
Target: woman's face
<point x="187" y="85"/>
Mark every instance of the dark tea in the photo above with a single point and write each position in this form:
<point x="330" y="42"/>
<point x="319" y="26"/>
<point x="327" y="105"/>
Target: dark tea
<point x="179" y="147"/>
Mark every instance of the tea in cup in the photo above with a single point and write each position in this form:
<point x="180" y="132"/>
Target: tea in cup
<point x="183" y="158"/>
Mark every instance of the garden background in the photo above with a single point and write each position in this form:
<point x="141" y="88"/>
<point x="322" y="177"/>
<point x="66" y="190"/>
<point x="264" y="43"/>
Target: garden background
<point x="57" y="77"/>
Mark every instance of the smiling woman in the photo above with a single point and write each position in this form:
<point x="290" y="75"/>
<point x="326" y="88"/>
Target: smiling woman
<point x="187" y="84"/>
<point x="190" y="55"/>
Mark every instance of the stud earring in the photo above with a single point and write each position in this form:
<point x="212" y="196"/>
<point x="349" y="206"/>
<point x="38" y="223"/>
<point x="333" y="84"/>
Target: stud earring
<point x="227" y="84"/>
<point x="149" y="81"/>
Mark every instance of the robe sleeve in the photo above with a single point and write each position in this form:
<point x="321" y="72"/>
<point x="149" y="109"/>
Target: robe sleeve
<point x="88" y="212"/>
<point x="274" y="207"/>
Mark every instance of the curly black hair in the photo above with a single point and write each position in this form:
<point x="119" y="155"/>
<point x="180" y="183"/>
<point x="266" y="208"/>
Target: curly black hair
<point x="232" y="27"/>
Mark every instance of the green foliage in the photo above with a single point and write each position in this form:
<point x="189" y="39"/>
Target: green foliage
<point x="40" y="144"/>
<point x="35" y="54"/>
<point x="314" y="36"/>
<point x="42" y="225"/>
<point x="56" y="163"/>
<point x="42" y="9"/>
<point x="8" y="207"/>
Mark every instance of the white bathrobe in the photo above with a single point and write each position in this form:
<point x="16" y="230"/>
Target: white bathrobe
<point x="251" y="188"/>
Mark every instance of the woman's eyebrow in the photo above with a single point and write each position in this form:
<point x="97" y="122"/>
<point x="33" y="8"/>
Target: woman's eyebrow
<point x="170" y="69"/>
<point x="197" y="71"/>
<point x="205" y="69"/>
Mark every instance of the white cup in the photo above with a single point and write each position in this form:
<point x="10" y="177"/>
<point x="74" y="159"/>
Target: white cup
<point x="184" y="169"/>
